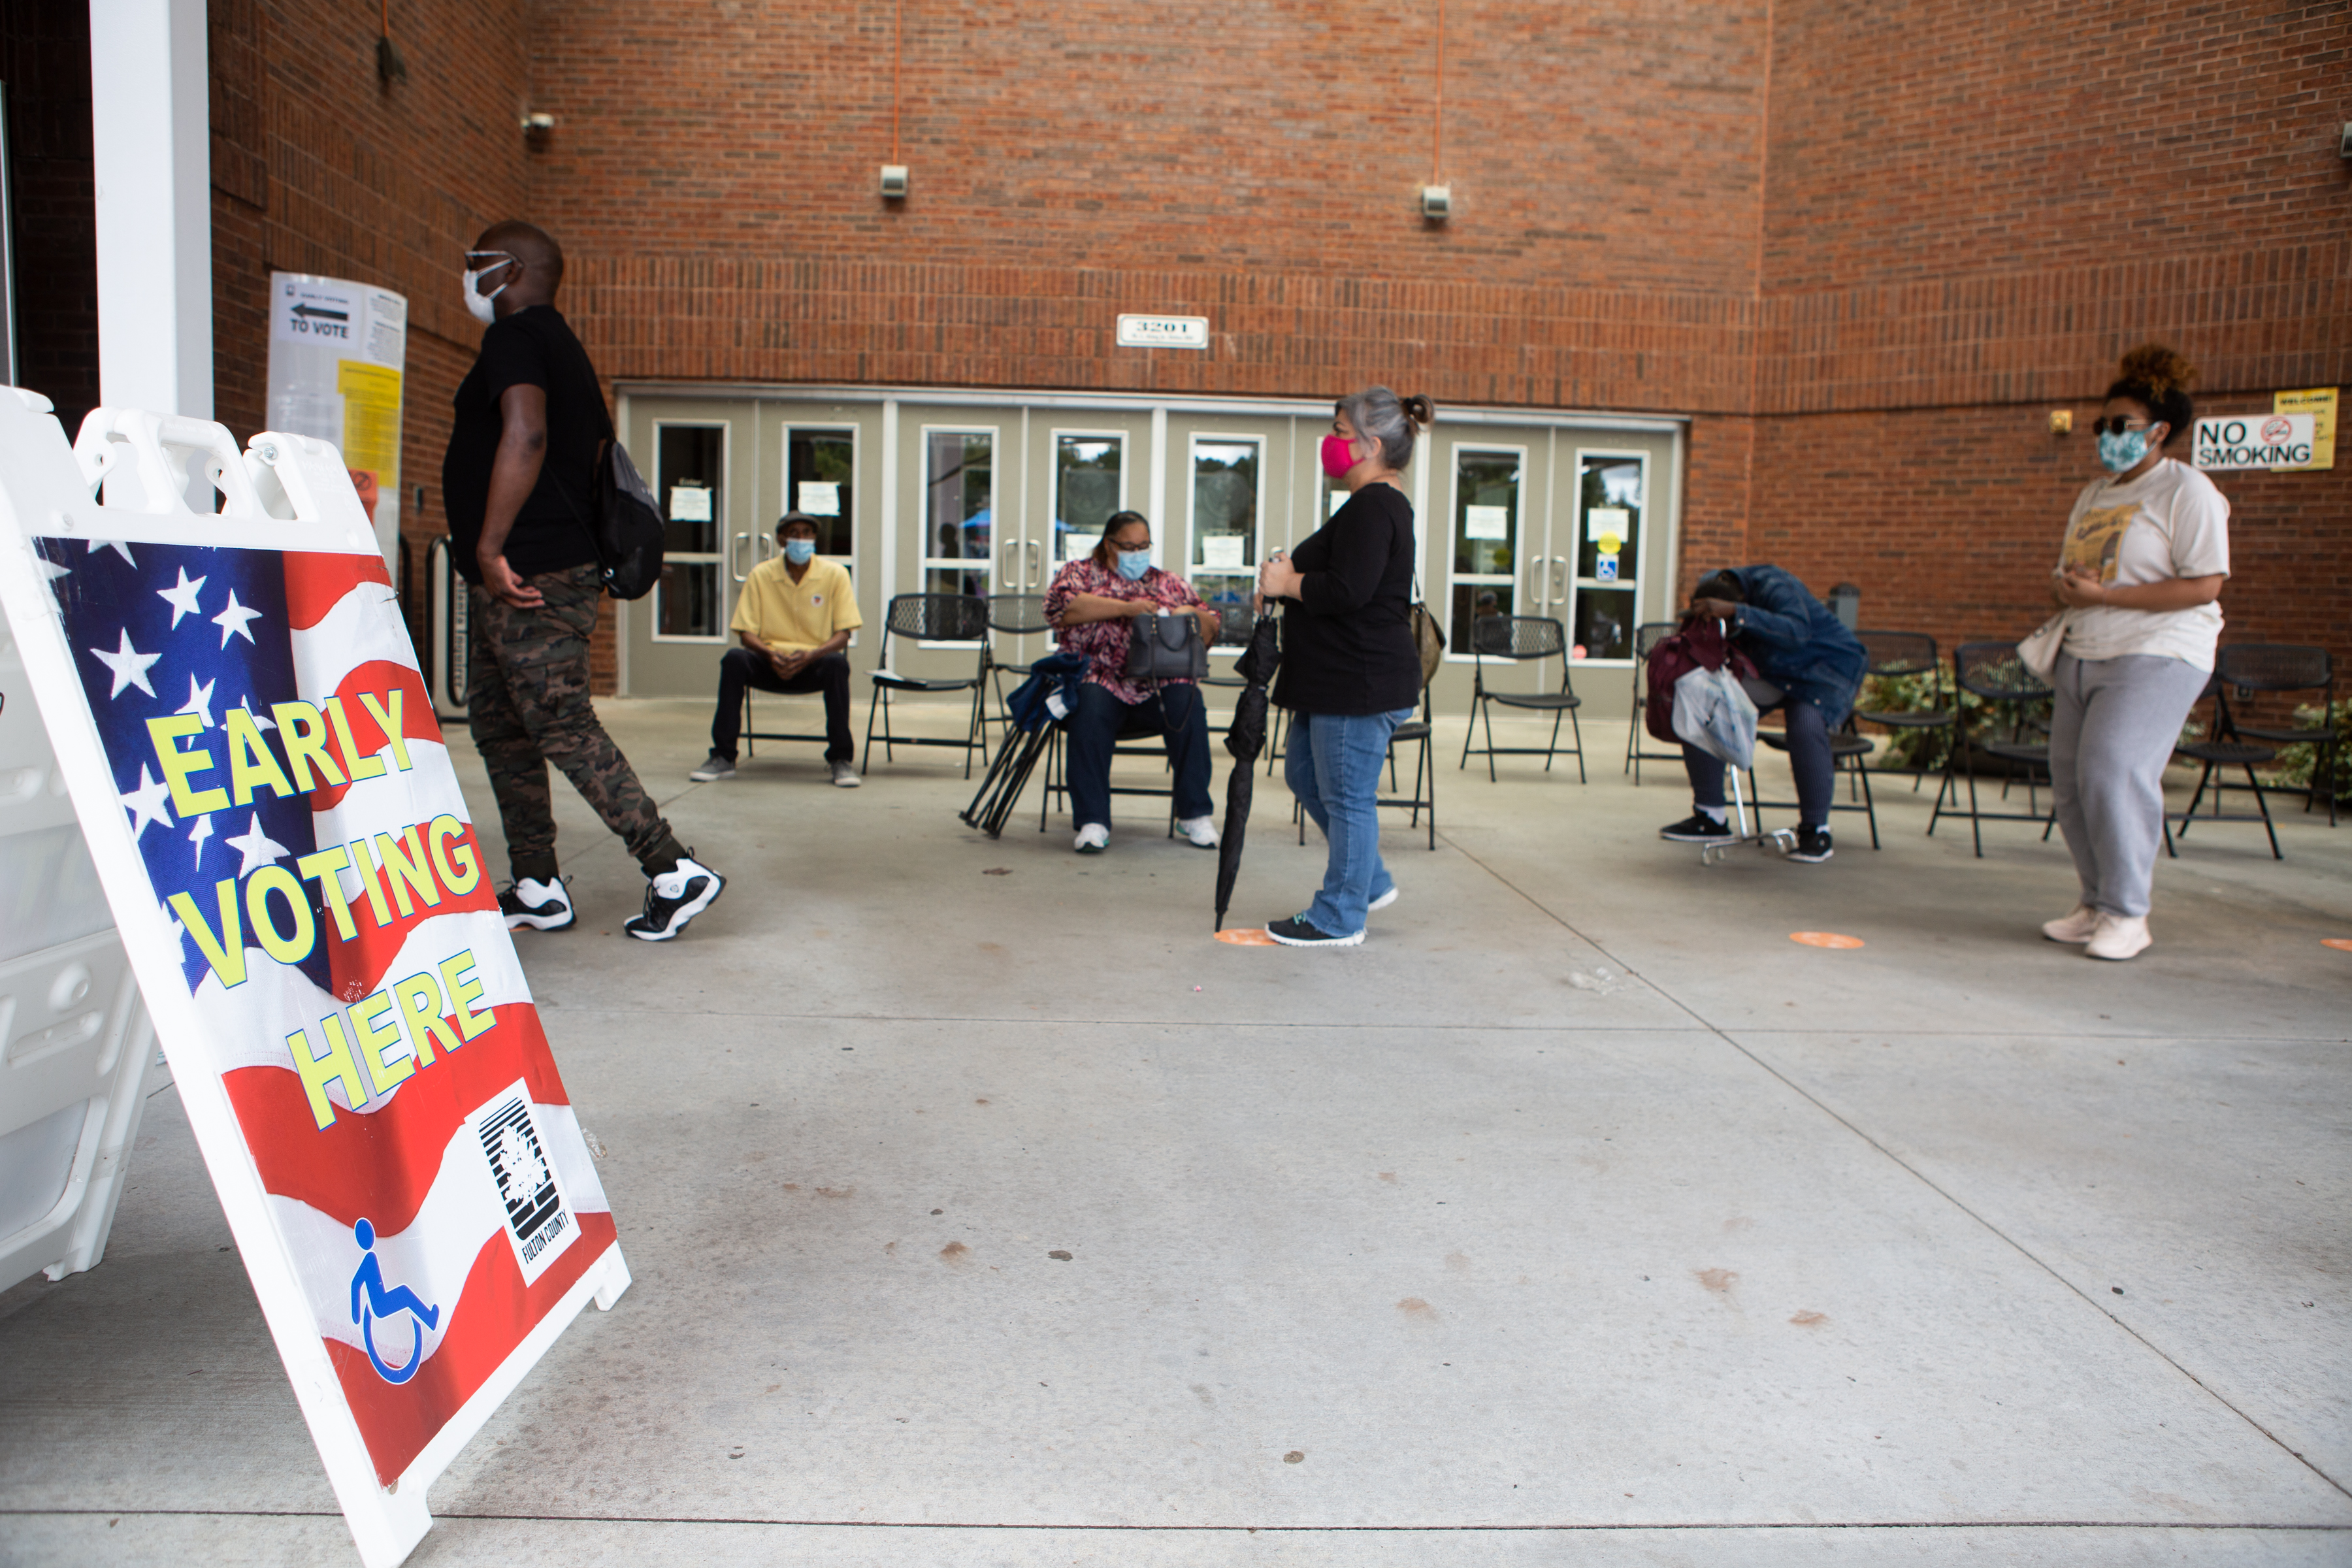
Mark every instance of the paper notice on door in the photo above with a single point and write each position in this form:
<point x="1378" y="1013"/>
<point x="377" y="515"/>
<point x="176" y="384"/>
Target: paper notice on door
<point x="1222" y="551"/>
<point x="689" y="503"/>
<point x="821" y="498"/>
<point x="1601" y="522"/>
<point x="1485" y="523"/>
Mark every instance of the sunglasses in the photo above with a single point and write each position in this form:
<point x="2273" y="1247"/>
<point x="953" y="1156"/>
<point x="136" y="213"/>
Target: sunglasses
<point x="2118" y="426"/>
<point x="485" y="260"/>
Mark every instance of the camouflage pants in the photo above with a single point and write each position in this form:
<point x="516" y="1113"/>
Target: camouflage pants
<point x="527" y="703"/>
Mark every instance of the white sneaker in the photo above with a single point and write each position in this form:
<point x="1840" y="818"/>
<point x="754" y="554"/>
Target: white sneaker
<point x="1384" y="900"/>
<point x="2120" y="936"/>
<point x="534" y="905"/>
<point x="2075" y="927"/>
<point x="673" y="899"/>
<point x="1201" y="830"/>
<point x="1093" y="839"/>
<point x="844" y="776"/>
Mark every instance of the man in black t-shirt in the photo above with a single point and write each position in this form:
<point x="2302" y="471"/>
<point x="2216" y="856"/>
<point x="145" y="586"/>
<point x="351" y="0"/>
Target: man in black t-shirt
<point x="518" y="485"/>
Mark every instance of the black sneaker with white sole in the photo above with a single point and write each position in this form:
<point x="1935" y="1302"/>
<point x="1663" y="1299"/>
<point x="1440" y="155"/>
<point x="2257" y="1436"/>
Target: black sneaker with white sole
<point x="674" y="898"/>
<point x="714" y="767"/>
<point x="1812" y="846"/>
<point x="1698" y="827"/>
<point x="1296" y="932"/>
<point x="531" y="905"/>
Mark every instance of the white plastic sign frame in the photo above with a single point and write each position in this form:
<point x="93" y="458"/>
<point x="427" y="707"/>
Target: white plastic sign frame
<point x="335" y="745"/>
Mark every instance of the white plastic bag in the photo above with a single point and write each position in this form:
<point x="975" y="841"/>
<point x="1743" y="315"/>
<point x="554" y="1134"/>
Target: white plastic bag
<point x="1713" y="712"/>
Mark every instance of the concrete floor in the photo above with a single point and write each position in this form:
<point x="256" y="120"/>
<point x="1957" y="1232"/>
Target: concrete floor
<point x="1957" y="1247"/>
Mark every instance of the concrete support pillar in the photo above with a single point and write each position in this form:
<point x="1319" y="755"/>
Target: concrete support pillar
<point x="151" y="124"/>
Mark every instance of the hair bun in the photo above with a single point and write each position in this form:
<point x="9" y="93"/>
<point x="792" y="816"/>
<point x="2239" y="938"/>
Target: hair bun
<point x="1419" y="409"/>
<point x="2159" y="369"/>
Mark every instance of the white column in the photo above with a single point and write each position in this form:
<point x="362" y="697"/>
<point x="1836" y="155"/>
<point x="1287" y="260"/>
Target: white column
<point x="151" y="123"/>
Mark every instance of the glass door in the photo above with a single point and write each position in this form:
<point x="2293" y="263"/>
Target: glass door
<point x="1611" y="518"/>
<point x="1088" y="478"/>
<point x="1227" y="519"/>
<point x="691" y="597"/>
<point x="1497" y="566"/>
<point x="960" y="521"/>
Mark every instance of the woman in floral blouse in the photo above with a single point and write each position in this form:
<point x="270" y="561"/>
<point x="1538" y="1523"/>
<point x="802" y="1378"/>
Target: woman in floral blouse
<point x="1089" y="604"/>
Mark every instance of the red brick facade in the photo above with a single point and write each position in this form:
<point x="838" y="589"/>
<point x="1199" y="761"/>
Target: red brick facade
<point x="1865" y="247"/>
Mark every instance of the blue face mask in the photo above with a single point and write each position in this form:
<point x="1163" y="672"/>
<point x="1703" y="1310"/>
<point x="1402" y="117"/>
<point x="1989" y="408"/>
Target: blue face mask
<point x="1134" y="564"/>
<point x="799" y="551"/>
<point x="2118" y="454"/>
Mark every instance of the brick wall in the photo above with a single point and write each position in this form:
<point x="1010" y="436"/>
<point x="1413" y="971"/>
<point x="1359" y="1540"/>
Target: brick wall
<point x="1864" y="246"/>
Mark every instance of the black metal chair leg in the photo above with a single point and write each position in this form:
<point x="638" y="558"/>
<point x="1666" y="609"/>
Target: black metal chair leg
<point x="2262" y="805"/>
<point x="1576" y="728"/>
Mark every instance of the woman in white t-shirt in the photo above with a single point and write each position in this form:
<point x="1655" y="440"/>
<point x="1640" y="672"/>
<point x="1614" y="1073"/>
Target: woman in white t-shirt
<point x="2146" y="552"/>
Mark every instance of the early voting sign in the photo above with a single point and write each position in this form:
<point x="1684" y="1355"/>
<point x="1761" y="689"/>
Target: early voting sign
<point x="267" y="796"/>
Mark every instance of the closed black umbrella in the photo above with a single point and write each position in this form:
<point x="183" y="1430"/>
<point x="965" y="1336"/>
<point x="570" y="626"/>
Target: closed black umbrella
<point x="1244" y="739"/>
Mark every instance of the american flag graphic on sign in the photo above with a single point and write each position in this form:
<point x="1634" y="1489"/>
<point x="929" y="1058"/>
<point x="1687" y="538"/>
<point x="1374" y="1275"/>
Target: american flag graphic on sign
<point x="279" y="766"/>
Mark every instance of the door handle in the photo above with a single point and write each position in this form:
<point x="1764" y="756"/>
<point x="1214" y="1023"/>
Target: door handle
<point x="734" y="540"/>
<point x="1036" y="575"/>
<point x="1560" y="564"/>
<point x="1008" y="564"/>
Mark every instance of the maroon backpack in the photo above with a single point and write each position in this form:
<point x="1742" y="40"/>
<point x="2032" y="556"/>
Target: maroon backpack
<point x="1700" y="645"/>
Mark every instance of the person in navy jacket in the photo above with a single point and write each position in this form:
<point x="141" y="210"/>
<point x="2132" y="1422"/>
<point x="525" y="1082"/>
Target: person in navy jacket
<point x="1811" y="665"/>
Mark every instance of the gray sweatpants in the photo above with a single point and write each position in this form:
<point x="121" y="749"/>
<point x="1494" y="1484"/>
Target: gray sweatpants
<point x="2110" y="736"/>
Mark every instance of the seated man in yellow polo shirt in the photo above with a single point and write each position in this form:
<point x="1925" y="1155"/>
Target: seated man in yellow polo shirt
<point x="794" y="614"/>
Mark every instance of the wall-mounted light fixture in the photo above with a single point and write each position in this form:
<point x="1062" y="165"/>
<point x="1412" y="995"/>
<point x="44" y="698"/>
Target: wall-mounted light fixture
<point x="894" y="182"/>
<point x="2062" y="422"/>
<point x="1437" y="202"/>
<point x="537" y="124"/>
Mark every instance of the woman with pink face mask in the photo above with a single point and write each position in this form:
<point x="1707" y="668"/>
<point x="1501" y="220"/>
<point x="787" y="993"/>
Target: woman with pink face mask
<point x="1350" y="673"/>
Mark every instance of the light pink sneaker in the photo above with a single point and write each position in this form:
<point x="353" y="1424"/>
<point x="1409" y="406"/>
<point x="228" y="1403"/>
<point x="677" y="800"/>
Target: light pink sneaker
<point x="2120" y="936"/>
<point x="2075" y="927"/>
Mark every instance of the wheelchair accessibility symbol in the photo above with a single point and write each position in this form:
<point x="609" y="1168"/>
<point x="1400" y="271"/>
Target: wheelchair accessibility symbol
<point x="370" y="1301"/>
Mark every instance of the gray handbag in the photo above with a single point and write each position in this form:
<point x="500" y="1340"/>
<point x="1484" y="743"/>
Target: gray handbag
<point x="1166" y="646"/>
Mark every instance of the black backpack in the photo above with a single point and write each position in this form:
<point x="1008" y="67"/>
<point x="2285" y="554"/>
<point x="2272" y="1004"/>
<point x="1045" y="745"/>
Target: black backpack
<point x="626" y="527"/>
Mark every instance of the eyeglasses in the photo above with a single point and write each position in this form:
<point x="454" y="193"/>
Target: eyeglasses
<point x="2118" y="426"/>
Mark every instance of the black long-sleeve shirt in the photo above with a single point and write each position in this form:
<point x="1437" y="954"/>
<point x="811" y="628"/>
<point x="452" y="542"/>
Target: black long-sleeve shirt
<point x="1347" y="638"/>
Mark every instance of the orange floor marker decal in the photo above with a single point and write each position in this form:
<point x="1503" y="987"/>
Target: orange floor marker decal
<point x="1824" y="939"/>
<point x="2341" y="943"/>
<point x="1254" y="938"/>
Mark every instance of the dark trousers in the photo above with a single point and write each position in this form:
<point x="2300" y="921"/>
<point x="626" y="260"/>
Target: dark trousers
<point x="1809" y="759"/>
<point x="740" y="666"/>
<point x="1096" y="721"/>
<point x="527" y="701"/>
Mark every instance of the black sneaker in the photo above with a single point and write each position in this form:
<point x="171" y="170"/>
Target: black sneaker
<point x="714" y="766"/>
<point x="674" y="898"/>
<point x="1698" y="827"/>
<point x="1296" y="932"/>
<point x="1812" y="846"/>
<point x="529" y="905"/>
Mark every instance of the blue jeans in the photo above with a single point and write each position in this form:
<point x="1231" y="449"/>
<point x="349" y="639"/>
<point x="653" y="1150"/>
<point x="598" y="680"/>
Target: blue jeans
<point x="1333" y="765"/>
<point x="1098" y="718"/>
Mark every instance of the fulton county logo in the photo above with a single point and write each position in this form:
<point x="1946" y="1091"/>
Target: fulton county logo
<point x="538" y="1222"/>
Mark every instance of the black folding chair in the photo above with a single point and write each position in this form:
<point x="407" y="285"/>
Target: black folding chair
<point x="2253" y="670"/>
<point x="1848" y="752"/>
<point x="1647" y="636"/>
<point x="2222" y="747"/>
<point x="933" y="617"/>
<point x="1908" y="655"/>
<point x="1137" y="737"/>
<point x="1992" y="673"/>
<point x="1516" y="640"/>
